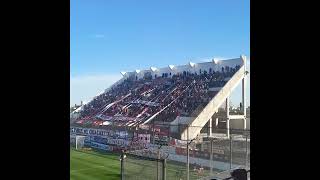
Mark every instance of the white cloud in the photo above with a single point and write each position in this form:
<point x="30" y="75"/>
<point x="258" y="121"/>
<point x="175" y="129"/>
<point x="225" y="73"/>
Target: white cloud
<point x="83" y="88"/>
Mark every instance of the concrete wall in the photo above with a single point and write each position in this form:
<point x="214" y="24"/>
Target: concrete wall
<point x="238" y="124"/>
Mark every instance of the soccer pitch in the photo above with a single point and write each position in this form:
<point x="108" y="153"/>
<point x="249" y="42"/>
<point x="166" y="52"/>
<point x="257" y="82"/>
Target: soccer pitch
<point x="95" y="165"/>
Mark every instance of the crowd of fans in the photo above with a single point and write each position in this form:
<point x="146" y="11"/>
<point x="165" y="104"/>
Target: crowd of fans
<point x="134" y="101"/>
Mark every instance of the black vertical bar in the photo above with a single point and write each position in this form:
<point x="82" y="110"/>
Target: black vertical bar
<point x="122" y="165"/>
<point x="158" y="159"/>
<point x="246" y="150"/>
<point x="169" y="129"/>
<point x="153" y="132"/>
<point x="164" y="169"/>
<point x="211" y="156"/>
<point x="188" y="152"/>
<point x="230" y="151"/>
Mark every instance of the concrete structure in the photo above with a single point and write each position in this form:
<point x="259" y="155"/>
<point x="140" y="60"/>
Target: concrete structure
<point x="207" y="113"/>
<point x="212" y="107"/>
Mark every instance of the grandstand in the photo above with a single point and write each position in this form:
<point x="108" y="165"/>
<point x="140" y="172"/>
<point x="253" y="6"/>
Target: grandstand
<point x="169" y="106"/>
<point x="191" y="92"/>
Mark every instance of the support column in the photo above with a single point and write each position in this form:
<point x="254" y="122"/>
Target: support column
<point x="202" y="146"/>
<point x="211" y="156"/>
<point x="210" y="127"/>
<point x="228" y="119"/>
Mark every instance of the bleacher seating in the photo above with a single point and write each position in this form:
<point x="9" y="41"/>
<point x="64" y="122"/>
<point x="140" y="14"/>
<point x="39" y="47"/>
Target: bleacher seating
<point x="163" y="98"/>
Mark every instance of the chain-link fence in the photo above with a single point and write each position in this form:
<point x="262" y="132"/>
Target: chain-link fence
<point x="139" y="167"/>
<point x="188" y="155"/>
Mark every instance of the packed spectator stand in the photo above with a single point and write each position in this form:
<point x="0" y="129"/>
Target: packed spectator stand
<point x="150" y="109"/>
<point x="154" y="99"/>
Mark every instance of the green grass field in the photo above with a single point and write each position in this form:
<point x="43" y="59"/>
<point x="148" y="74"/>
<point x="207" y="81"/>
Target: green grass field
<point x="95" y="165"/>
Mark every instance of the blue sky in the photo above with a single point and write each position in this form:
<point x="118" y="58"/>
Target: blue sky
<point x="109" y="36"/>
